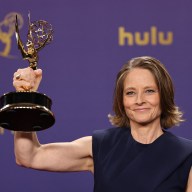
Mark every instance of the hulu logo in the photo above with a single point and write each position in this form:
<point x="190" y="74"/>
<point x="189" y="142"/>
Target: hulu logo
<point x="151" y="37"/>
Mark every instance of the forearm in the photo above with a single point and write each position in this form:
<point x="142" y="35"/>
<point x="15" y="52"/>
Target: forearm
<point x="26" y="145"/>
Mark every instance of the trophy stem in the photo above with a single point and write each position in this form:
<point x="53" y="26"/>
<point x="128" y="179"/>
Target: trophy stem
<point x="33" y="65"/>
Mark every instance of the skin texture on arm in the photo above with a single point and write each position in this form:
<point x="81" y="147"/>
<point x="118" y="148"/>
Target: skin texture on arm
<point x="189" y="184"/>
<point x="66" y="156"/>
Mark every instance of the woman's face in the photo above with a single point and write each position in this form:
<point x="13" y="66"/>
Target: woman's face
<point x="141" y="97"/>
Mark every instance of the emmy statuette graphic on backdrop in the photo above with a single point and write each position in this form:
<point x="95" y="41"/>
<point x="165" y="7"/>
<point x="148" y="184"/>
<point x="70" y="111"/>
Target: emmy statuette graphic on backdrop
<point x="28" y="111"/>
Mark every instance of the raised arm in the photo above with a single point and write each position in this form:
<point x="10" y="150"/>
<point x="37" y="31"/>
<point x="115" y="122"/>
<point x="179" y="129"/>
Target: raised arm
<point x="66" y="156"/>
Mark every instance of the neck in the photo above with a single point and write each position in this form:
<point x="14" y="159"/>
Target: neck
<point x="146" y="133"/>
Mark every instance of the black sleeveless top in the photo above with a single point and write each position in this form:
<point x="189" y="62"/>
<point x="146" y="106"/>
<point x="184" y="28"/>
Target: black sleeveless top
<point x="121" y="164"/>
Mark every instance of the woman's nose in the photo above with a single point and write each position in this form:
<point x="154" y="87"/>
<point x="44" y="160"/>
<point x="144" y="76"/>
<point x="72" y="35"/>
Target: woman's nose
<point x="140" y="98"/>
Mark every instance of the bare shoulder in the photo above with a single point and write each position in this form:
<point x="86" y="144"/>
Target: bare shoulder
<point x="85" y="139"/>
<point x="84" y="147"/>
<point x="85" y="144"/>
<point x="68" y="156"/>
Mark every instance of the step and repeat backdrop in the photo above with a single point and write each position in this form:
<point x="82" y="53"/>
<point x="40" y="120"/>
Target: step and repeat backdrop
<point x="91" y="41"/>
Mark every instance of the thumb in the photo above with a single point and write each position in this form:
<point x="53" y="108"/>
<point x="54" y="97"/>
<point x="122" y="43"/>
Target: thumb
<point x="38" y="72"/>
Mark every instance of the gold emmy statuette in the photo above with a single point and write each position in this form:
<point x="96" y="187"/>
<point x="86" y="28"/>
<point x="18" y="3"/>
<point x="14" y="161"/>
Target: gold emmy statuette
<point x="28" y="111"/>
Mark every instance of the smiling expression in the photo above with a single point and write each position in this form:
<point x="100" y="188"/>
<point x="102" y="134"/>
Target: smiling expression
<point x="141" y="97"/>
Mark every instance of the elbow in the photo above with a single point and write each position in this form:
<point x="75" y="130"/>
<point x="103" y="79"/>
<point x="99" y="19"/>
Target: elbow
<point x="22" y="163"/>
<point x="24" y="159"/>
<point x="19" y="163"/>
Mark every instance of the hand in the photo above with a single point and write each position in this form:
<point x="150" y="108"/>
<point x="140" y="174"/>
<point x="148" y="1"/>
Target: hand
<point x="27" y="79"/>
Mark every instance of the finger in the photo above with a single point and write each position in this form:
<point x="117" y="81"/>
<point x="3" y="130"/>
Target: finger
<point x="16" y="76"/>
<point x="38" y="72"/>
<point x="27" y="79"/>
<point x="25" y="73"/>
<point x="21" y="85"/>
<point x="28" y="74"/>
<point x="38" y="79"/>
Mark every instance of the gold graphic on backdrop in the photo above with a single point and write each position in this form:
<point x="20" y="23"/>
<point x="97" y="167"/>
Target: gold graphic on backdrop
<point x="152" y="37"/>
<point x="7" y="30"/>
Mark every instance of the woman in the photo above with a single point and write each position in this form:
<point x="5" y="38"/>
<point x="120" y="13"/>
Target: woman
<point x="139" y="155"/>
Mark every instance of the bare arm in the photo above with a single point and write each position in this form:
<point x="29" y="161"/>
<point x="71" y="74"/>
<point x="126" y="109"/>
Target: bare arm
<point x="68" y="156"/>
<point x="189" y="184"/>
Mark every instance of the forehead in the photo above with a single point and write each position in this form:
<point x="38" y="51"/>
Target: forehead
<point x="139" y="76"/>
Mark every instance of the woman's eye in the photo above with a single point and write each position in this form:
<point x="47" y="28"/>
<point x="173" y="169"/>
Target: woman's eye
<point x="150" y="91"/>
<point x="130" y="93"/>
